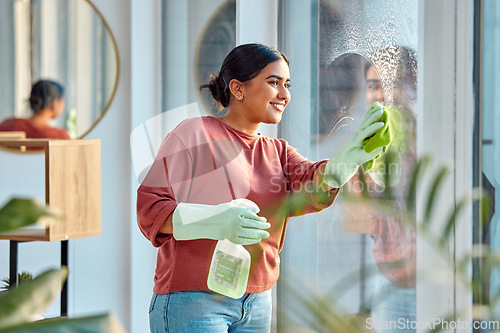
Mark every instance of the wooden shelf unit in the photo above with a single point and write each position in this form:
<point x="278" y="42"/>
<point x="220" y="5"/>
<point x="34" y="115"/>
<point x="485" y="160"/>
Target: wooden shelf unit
<point x="72" y="187"/>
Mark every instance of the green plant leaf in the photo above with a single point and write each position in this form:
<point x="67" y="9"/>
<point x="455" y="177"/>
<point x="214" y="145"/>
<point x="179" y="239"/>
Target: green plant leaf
<point x="485" y="206"/>
<point x="325" y="311"/>
<point x="415" y="179"/>
<point x="431" y="198"/>
<point x="107" y="323"/>
<point x="21" y="212"/>
<point x="21" y="304"/>
<point x="476" y="195"/>
<point x="451" y="221"/>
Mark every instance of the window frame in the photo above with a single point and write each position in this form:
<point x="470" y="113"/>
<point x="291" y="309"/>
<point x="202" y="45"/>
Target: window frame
<point x="445" y="132"/>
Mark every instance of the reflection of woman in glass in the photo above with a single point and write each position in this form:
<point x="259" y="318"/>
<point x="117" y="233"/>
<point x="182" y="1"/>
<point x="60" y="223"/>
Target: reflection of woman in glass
<point x="394" y="247"/>
<point x="185" y="203"/>
<point x="47" y="102"/>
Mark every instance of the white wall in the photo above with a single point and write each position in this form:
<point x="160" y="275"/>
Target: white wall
<point x="145" y="102"/>
<point x="100" y="266"/>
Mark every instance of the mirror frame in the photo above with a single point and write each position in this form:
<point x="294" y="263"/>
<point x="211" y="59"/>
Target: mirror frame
<point x="117" y="77"/>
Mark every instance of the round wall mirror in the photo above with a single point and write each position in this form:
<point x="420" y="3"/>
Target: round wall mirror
<point x="68" y="42"/>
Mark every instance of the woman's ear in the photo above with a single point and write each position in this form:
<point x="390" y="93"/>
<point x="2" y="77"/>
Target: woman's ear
<point x="236" y="88"/>
<point x="52" y="105"/>
<point x="56" y="107"/>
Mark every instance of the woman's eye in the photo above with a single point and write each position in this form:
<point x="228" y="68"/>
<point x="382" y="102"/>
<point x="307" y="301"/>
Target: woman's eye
<point x="274" y="83"/>
<point x="287" y="85"/>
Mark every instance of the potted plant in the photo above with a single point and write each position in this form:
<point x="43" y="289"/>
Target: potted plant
<point x="22" y="277"/>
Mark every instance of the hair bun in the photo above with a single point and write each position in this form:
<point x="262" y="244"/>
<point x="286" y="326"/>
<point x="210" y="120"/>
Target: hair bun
<point x="217" y="88"/>
<point x="36" y="102"/>
<point x="44" y="92"/>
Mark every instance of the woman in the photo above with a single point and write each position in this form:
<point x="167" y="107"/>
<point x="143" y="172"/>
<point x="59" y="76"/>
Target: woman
<point x="47" y="103"/>
<point x="203" y="165"/>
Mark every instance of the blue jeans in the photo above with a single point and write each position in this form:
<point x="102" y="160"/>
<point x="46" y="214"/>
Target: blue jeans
<point x="208" y="312"/>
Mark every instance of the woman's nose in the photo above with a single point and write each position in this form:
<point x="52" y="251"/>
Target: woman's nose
<point x="284" y="93"/>
<point x="379" y="95"/>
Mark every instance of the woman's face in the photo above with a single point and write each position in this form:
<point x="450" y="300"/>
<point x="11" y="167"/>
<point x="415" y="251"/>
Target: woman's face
<point x="374" y="92"/>
<point x="266" y="95"/>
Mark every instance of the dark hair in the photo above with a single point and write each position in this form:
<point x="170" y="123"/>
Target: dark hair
<point x="43" y="93"/>
<point x="243" y="63"/>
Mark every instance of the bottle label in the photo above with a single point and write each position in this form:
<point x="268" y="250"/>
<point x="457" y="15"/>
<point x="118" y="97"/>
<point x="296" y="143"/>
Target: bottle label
<point x="226" y="269"/>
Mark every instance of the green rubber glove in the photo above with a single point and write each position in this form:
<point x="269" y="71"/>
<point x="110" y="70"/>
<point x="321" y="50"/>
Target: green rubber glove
<point x="382" y="138"/>
<point x="345" y="163"/>
<point x="236" y="221"/>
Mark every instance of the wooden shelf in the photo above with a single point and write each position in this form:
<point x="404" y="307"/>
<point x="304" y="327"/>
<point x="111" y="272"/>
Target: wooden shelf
<point x="72" y="187"/>
<point x="13" y="135"/>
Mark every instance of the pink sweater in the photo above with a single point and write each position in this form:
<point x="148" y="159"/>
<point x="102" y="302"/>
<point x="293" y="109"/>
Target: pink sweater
<point x="203" y="160"/>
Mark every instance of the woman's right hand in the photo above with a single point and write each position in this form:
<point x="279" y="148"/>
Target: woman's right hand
<point x="236" y="221"/>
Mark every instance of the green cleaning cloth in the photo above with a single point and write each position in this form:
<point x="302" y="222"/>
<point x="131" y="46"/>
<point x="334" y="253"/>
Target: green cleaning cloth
<point x="380" y="139"/>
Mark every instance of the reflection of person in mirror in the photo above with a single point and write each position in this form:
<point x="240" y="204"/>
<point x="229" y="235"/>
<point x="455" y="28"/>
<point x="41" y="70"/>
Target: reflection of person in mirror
<point x="185" y="203"/>
<point x="47" y="103"/>
<point x="394" y="248"/>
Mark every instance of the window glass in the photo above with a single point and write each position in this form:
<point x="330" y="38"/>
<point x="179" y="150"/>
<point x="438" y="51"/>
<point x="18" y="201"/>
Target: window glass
<point x="344" y="56"/>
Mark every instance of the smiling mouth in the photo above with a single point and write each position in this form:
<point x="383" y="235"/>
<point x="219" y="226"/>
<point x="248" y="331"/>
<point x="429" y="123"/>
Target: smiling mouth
<point x="280" y="107"/>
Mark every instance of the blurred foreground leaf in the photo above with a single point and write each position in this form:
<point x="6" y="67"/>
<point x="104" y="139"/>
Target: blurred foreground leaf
<point x="106" y="323"/>
<point x="318" y="312"/>
<point x="21" y="304"/>
<point x="21" y="212"/>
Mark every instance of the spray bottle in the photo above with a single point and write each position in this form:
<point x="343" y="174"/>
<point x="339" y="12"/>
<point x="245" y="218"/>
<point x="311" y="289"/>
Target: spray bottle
<point x="230" y="266"/>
